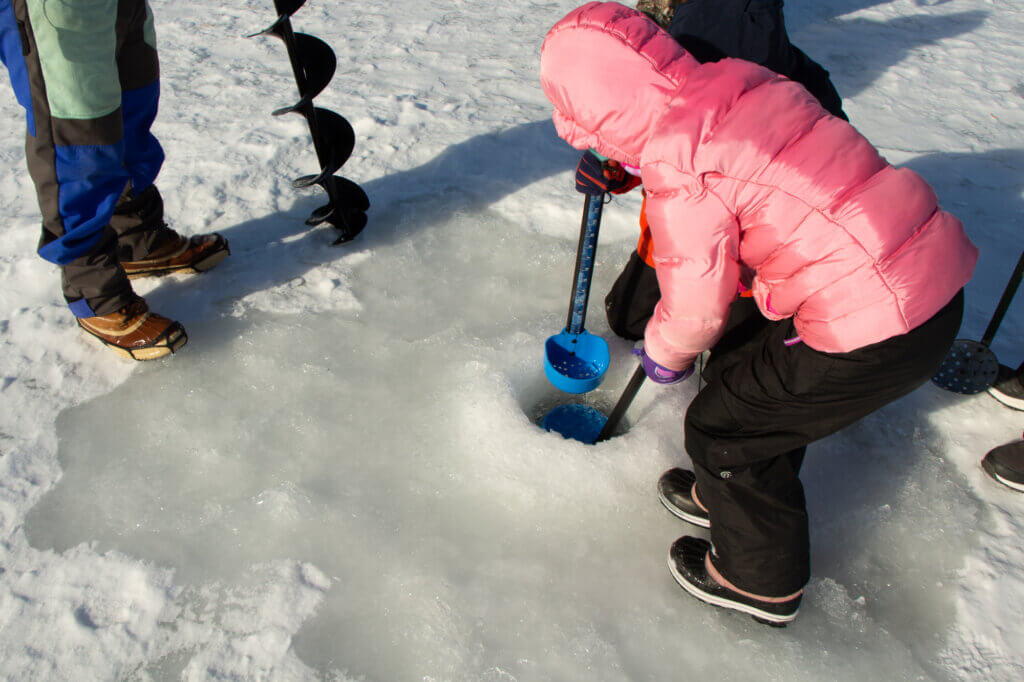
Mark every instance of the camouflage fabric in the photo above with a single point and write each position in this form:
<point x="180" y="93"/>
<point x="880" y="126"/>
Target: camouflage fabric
<point x="659" y="10"/>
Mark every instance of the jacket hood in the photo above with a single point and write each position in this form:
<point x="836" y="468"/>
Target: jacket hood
<point x="610" y="72"/>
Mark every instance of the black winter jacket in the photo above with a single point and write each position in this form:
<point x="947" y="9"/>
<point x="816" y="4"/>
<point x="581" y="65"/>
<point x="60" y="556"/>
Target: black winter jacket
<point x="754" y="30"/>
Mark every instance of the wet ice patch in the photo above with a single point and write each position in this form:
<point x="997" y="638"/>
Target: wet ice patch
<point x="365" y="492"/>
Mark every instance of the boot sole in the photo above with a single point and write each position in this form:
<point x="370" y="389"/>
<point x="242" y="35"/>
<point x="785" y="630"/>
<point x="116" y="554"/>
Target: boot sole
<point x="1008" y="400"/>
<point x="757" y="614"/>
<point x="199" y="266"/>
<point x="172" y="345"/>
<point x="680" y="514"/>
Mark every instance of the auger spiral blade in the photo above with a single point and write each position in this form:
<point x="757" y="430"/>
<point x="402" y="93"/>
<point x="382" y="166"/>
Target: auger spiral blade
<point x="334" y="142"/>
<point x="317" y="62"/>
<point x="345" y="192"/>
<point x="288" y="7"/>
<point x="350" y="218"/>
<point x="313" y="65"/>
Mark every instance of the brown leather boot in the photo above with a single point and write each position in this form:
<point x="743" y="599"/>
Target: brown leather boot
<point x="136" y="333"/>
<point x="179" y="254"/>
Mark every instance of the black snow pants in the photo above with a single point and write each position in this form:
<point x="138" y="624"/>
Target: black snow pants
<point x="631" y="300"/>
<point x="764" y="402"/>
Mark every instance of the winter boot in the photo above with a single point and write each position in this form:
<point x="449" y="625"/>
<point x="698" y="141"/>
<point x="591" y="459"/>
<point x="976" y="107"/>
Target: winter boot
<point x="677" y="490"/>
<point x="195" y="254"/>
<point x="1009" y="387"/>
<point x="686" y="561"/>
<point x="136" y="333"/>
<point x="147" y="246"/>
<point x="1006" y="464"/>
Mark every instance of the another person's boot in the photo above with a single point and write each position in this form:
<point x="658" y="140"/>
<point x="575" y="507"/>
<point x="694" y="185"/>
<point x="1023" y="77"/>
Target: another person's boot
<point x="1006" y="464"/>
<point x="1009" y="387"/>
<point x="136" y="333"/>
<point x="147" y="246"/>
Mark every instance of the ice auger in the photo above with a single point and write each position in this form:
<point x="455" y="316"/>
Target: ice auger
<point x="313" y="63"/>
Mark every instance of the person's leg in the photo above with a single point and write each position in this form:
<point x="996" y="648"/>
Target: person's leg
<point x="746" y="432"/>
<point x="139" y="74"/>
<point x="139" y="224"/>
<point x="62" y="61"/>
<point x="747" y="468"/>
<point x="631" y="300"/>
<point x="745" y="332"/>
<point x="145" y="243"/>
<point x="65" y="76"/>
<point x="147" y="246"/>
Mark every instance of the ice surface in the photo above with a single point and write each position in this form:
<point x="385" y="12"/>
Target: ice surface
<point x="387" y="445"/>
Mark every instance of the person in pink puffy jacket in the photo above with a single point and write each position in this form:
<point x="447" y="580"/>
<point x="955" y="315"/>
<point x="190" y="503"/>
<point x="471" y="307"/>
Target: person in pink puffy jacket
<point x="853" y="275"/>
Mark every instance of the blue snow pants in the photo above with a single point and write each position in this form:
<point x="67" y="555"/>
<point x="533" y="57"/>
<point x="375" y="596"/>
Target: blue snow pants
<point x="87" y="74"/>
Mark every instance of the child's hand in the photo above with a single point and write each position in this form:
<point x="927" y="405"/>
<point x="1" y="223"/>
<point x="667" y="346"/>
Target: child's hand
<point x="659" y="374"/>
<point x="596" y="177"/>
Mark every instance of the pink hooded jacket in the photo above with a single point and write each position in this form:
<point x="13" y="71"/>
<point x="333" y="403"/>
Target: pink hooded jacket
<point x="743" y="169"/>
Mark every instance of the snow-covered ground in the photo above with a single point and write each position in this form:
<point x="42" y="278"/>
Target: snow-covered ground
<point x="340" y="476"/>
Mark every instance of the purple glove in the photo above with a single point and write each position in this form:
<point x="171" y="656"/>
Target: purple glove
<point x="659" y="374"/>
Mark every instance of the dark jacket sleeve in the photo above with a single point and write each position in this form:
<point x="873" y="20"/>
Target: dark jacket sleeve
<point x="815" y="78"/>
